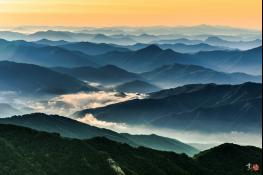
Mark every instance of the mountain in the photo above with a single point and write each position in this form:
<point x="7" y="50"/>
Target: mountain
<point x="73" y="129"/>
<point x="137" y="86"/>
<point x="66" y="127"/>
<point x="178" y="75"/>
<point x="106" y="75"/>
<point x="44" y="153"/>
<point x="31" y="79"/>
<point x="183" y="48"/>
<point x="145" y="38"/>
<point x="7" y="110"/>
<point x="136" y="46"/>
<point x="9" y="35"/>
<point x="180" y="41"/>
<point x="200" y="29"/>
<point x="51" y="35"/>
<point x="153" y="57"/>
<point x="56" y="35"/>
<point x="161" y="143"/>
<point x="51" y="43"/>
<point x="49" y="56"/>
<point x="140" y="60"/>
<point x="217" y="118"/>
<point x="92" y="48"/>
<point x="223" y="158"/>
<point x="210" y="42"/>
<point x="121" y="39"/>
<point x="248" y="61"/>
<point x="234" y="108"/>
<point x="243" y="45"/>
<point x="142" y="34"/>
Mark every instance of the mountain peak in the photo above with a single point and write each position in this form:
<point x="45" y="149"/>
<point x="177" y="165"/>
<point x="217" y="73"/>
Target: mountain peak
<point x="101" y="36"/>
<point x="213" y="38"/>
<point x="111" y="67"/>
<point x="152" y="48"/>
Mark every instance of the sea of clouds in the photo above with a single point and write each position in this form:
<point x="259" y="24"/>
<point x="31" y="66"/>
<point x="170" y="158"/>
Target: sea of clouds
<point x="66" y="105"/>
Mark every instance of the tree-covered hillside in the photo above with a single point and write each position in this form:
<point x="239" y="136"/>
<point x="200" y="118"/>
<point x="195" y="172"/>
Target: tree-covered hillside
<point x="27" y="152"/>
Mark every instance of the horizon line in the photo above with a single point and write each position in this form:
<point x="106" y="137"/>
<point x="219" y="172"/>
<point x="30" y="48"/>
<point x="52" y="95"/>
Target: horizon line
<point x="133" y="26"/>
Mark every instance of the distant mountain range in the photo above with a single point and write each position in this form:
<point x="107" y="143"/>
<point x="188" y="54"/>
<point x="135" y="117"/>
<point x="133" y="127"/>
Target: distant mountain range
<point x="170" y="74"/>
<point x="106" y="75"/>
<point x="137" y="86"/>
<point x="200" y="107"/>
<point x="153" y="57"/>
<point x="181" y="47"/>
<point x="142" y="60"/>
<point x="165" y="76"/>
<point x="51" y="43"/>
<point x="52" y="35"/>
<point x="36" y="79"/>
<point x="32" y="79"/>
<point x="139" y="34"/>
<point x="185" y="41"/>
<point x="50" y="56"/>
<point x="209" y="44"/>
<point x="243" y="45"/>
<point x="197" y="30"/>
<point x="119" y="39"/>
<point x="44" y="153"/>
<point x="232" y="61"/>
<point x="92" y="48"/>
<point x="178" y="74"/>
<point x="73" y="129"/>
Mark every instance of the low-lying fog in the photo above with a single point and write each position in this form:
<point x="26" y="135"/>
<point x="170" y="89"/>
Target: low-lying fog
<point x="184" y="136"/>
<point x="66" y="105"/>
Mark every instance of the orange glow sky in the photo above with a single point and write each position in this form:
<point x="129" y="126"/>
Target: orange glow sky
<point x="237" y="13"/>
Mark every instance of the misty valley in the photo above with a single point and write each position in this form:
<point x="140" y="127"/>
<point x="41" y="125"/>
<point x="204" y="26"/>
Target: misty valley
<point x="130" y="101"/>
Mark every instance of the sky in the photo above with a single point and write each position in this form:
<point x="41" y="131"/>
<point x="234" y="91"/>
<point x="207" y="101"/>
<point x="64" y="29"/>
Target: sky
<point x="236" y="13"/>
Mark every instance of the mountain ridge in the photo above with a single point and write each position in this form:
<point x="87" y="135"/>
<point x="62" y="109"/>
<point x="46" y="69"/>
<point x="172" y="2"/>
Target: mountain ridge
<point x="70" y="128"/>
<point x="45" y="153"/>
<point x="152" y="57"/>
<point x="33" y="79"/>
<point x="178" y="74"/>
<point x="108" y="74"/>
<point x="161" y="105"/>
<point x="49" y="56"/>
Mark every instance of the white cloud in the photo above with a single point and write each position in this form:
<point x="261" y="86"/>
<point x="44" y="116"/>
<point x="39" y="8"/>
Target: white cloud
<point x="91" y="120"/>
<point x="70" y="103"/>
